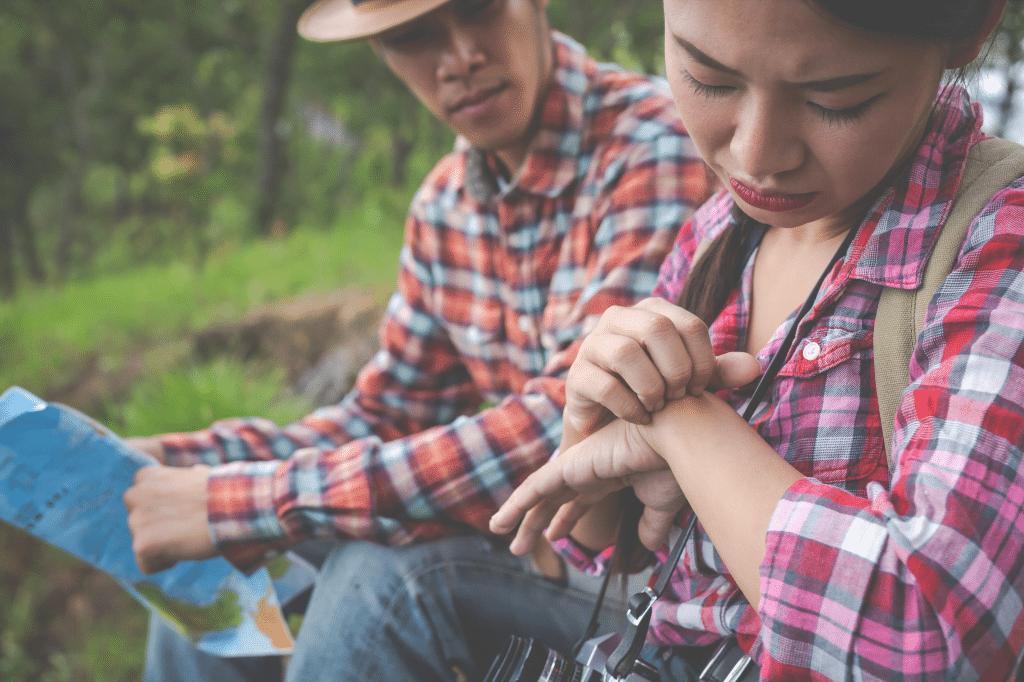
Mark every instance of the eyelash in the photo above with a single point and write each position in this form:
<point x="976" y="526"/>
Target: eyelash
<point x="830" y="116"/>
<point x="836" y="117"/>
<point x="705" y="90"/>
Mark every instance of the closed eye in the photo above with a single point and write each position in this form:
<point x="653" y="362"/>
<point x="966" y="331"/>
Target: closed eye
<point x="705" y="90"/>
<point x="838" y="117"/>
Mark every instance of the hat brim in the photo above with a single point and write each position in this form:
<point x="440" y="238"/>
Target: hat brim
<point x="329" y="20"/>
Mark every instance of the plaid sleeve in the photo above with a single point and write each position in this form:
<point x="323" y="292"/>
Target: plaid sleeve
<point x="454" y="476"/>
<point x="415" y="381"/>
<point x="924" y="580"/>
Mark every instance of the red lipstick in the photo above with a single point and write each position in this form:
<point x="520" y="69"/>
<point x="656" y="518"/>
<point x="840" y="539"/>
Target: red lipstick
<point x="771" y="201"/>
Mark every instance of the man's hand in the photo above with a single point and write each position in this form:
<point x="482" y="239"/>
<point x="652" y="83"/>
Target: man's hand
<point x="167" y="516"/>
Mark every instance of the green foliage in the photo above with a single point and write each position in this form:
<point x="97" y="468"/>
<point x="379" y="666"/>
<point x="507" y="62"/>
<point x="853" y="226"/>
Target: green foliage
<point x="143" y="141"/>
<point x="47" y="334"/>
<point x="192" y="398"/>
<point x="628" y="32"/>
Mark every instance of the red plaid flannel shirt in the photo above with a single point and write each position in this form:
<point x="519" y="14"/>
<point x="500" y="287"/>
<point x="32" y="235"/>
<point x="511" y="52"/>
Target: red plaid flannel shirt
<point x="493" y="297"/>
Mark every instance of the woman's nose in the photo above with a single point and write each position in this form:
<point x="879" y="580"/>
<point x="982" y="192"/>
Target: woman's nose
<point x="766" y="140"/>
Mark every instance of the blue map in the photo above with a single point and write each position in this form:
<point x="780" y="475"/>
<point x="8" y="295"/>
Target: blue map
<point x="62" y="479"/>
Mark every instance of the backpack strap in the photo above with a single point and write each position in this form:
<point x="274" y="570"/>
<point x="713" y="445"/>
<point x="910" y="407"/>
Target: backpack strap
<point x="992" y="164"/>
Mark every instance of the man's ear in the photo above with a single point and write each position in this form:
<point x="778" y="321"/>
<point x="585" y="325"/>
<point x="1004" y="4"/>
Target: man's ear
<point x="966" y="50"/>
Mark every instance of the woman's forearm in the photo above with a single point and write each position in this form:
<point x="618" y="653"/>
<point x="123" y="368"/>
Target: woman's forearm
<point x="732" y="479"/>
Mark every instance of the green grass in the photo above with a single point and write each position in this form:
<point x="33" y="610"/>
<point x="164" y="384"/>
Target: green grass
<point x="46" y="333"/>
<point x="62" y="621"/>
<point x="194" y="397"/>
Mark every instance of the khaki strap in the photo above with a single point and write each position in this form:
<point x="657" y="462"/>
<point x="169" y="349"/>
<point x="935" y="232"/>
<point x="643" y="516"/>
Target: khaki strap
<point x="992" y="165"/>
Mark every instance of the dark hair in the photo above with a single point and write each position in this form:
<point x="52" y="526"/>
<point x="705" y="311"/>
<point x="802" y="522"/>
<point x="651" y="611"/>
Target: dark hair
<point x="714" y="275"/>
<point x="939" y="20"/>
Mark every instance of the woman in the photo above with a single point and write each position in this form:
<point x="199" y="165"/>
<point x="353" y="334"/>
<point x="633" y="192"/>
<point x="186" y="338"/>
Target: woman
<point x="840" y="161"/>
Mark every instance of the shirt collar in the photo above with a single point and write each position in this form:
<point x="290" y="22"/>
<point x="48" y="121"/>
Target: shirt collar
<point x="551" y="164"/>
<point x="897" y="237"/>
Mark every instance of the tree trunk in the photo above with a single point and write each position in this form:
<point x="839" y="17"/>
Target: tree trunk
<point x="272" y="159"/>
<point x="71" y="212"/>
<point x="8" y="278"/>
<point x="29" y="250"/>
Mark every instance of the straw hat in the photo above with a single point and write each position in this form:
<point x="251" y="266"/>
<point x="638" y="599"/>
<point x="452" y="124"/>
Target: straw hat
<point x="350" y="19"/>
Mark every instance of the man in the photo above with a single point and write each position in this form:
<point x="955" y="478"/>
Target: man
<point x="567" y="185"/>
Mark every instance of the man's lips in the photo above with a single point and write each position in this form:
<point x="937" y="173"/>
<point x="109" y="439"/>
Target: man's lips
<point x="474" y="98"/>
<point x="771" y="201"/>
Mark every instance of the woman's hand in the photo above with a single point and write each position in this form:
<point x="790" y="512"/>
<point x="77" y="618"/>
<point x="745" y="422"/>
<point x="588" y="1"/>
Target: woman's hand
<point x="557" y="495"/>
<point x="639" y="358"/>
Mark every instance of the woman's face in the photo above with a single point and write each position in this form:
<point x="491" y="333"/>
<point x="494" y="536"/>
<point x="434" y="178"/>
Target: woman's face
<point x="799" y="116"/>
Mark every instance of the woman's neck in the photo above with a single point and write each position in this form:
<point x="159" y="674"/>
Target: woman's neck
<point x="788" y="264"/>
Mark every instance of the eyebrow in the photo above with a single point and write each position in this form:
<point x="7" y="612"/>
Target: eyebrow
<point x="824" y="85"/>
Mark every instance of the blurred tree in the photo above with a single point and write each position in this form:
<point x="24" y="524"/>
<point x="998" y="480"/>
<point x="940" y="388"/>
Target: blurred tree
<point x="316" y="127"/>
<point x="272" y="159"/>
<point x="1006" y="56"/>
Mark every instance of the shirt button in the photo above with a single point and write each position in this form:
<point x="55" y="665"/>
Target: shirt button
<point x="811" y="351"/>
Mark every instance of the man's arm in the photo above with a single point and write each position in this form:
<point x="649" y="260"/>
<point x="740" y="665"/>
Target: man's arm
<point x="454" y="476"/>
<point x="414" y="382"/>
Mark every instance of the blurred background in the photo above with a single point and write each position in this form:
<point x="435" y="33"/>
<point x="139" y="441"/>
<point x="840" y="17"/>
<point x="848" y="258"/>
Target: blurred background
<point x="200" y="217"/>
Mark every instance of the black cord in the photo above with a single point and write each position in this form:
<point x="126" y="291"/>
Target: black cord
<point x="594" y="623"/>
<point x="621" y="662"/>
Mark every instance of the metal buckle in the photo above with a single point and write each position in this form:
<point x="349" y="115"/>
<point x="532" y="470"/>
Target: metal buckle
<point x="645" y="608"/>
<point x="738" y="668"/>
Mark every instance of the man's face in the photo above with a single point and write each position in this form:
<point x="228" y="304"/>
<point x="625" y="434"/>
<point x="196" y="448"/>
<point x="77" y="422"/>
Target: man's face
<point x="481" y="67"/>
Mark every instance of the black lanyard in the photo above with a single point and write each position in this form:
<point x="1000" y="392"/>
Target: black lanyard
<point x="638" y="613"/>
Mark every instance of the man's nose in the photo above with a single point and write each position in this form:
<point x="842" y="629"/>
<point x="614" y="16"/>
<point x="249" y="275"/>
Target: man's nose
<point x="462" y="54"/>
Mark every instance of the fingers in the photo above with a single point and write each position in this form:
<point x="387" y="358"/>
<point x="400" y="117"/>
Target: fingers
<point x="532" y="527"/>
<point x="691" y="372"/>
<point x="733" y="370"/>
<point x="654" y="528"/>
<point x="545" y="486"/>
<point x="566" y="518"/>
<point x="634" y="361"/>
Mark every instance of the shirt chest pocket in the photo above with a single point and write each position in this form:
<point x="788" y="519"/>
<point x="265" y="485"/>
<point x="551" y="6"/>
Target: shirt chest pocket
<point x="824" y="417"/>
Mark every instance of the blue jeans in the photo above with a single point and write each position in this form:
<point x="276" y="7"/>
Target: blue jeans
<point x="437" y="611"/>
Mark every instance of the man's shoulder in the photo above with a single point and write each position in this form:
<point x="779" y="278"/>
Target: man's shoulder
<point x="630" y="117"/>
<point x="614" y="98"/>
<point x="627" y="112"/>
<point x="637" y="98"/>
<point x="446" y="177"/>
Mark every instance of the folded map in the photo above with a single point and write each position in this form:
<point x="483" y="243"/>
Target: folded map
<point x="62" y="478"/>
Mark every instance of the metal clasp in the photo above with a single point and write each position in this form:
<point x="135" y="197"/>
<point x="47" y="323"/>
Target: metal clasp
<point x="737" y="670"/>
<point x="643" y="607"/>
